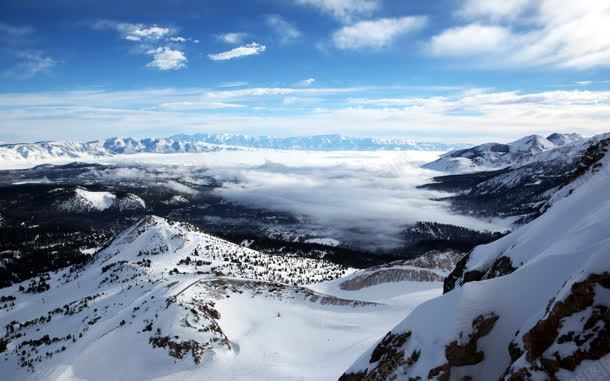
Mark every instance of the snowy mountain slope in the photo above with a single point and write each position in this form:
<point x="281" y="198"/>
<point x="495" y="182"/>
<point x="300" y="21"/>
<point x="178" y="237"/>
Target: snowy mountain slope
<point x="319" y="142"/>
<point x="45" y="151"/>
<point x="520" y="152"/>
<point x="521" y="190"/>
<point x="84" y="200"/>
<point x="532" y="305"/>
<point x="191" y="306"/>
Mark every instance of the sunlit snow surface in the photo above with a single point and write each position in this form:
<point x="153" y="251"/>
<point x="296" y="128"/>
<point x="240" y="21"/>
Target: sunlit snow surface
<point x="276" y="330"/>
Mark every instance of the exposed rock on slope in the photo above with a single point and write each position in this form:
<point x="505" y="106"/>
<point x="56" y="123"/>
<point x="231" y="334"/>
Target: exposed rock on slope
<point x="430" y="267"/>
<point x="153" y="288"/>
<point x="532" y="305"/>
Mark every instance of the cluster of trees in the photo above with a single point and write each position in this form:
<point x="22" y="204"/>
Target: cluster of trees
<point x="27" y="251"/>
<point x="288" y="269"/>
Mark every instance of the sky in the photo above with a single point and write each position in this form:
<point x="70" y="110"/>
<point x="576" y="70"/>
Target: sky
<point x="448" y="70"/>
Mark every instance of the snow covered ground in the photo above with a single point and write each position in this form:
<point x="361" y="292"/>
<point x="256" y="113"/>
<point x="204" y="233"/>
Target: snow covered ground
<point x="165" y="301"/>
<point x="532" y="305"/>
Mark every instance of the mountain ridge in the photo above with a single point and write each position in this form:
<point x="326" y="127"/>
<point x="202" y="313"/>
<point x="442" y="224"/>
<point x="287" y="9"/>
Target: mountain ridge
<point x="494" y="156"/>
<point x="50" y="150"/>
<point x="529" y="306"/>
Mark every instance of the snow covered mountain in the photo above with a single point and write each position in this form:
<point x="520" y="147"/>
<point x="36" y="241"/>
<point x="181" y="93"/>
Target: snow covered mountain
<point x="41" y="151"/>
<point x="492" y="156"/>
<point x="532" y="305"/>
<point x="164" y="300"/>
<point x="83" y="200"/>
<point x="319" y="142"/>
<point x="206" y="143"/>
<point x="523" y="188"/>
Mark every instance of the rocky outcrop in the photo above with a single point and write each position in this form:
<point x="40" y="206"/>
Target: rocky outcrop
<point x="390" y="275"/>
<point x="387" y="357"/>
<point x="574" y="330"/>
<point x="464" y="351"/>
<point x="430" y="267"/>
<point x="460" y="275"/>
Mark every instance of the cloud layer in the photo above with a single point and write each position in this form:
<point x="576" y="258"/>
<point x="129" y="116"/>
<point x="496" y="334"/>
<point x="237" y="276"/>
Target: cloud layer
<point x="241" y="51"/>
<point x="343" y="10"/>
<point x="529" y="33"/>
<point x="363" y="198"/>
<point x="376" y="33"/>
<point x="162" y="43"/>
<point x="469" y="115"/>
<point x="285" y="31"/>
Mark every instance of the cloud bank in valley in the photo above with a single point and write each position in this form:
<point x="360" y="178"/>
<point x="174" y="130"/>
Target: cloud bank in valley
<point x="365" y="198"/>
<point x="362" y="198"/>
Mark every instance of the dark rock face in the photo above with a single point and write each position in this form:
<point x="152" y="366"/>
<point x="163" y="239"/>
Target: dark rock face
<point x="429" y="267"/>
<point x="390" y="275"/>
<point x="388" y="356"/>
<point x="502" y="266"/>
<point x="589" y="160"/>
<point x="588" y="330"/>
<point x="464" y="351"/>
<point x="467" y="353"/>
<point x="459" y="276"/>
<point x="455" y="275"/>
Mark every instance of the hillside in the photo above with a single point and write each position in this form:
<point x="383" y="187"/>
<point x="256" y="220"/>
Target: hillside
<point x="532" y="305"/>
<point x="190" y="304"/>
<point x="490" y="156"/>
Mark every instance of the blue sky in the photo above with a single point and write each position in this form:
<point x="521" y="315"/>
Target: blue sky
<point x="463" y="70"/>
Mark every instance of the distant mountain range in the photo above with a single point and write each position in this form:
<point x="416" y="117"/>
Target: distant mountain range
<point x="319" y="142"/>
<point x="492" y="156"/>
<point x="51" y="150"/>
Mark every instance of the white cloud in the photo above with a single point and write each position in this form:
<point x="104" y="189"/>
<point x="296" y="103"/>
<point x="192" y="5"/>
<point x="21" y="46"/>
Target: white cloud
<point x="376" y="33"/>
<point x="306" y="82"/>
<point x="160" y="42"/>
<point x="135" y="32"/>
<point x="471" y="116"/>
<point x="232" y="38"/>
<point x="13" y="31"/>
<point x="234" y="84"/>
<point x="343" y="10"/>
<point x="199" y="105"/>
<point x="470" y="39"/>
<point x="347" y="196"/>
<point x="30" y="63"/>
<point x="555" y="33"/>
<point x="495" y="10"/>
<point x="178" y="39"/>
<point x="285" y="31"/>
<point x="241" y="51"/>
<point x="277" y="91"/>
<point x="166" y="58"/>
